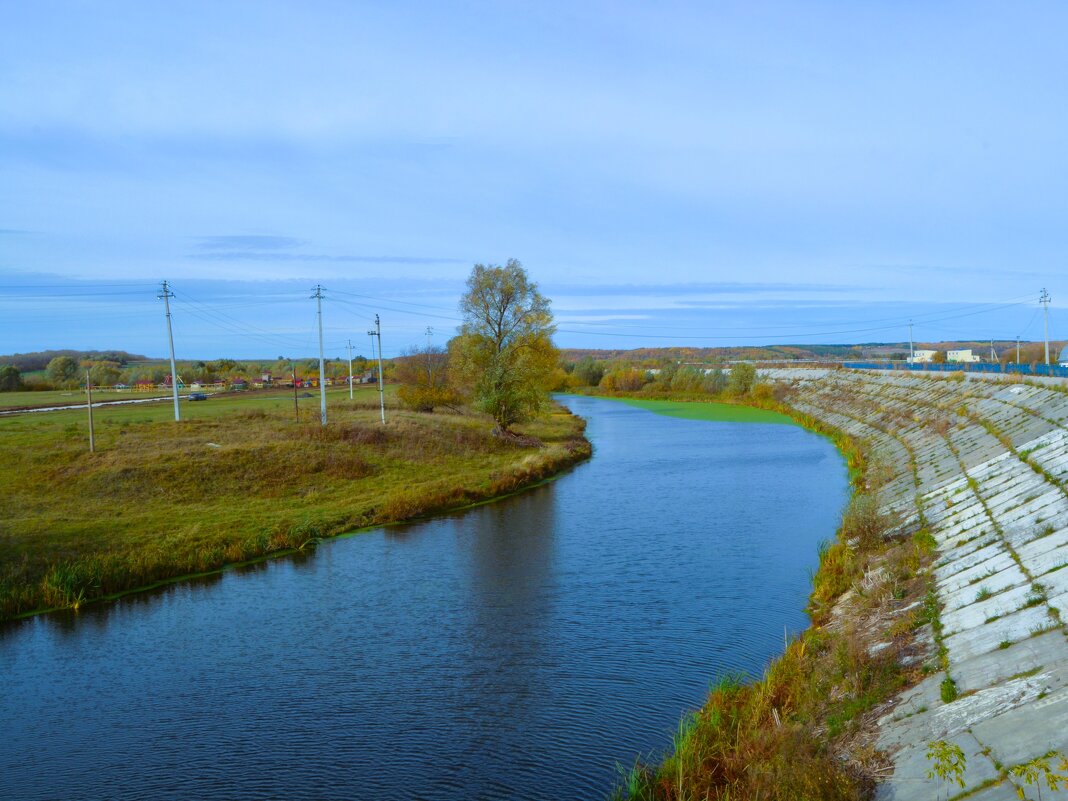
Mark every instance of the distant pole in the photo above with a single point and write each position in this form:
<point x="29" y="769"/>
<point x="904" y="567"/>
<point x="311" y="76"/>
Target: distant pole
<point x="993" y="356"/>
<point x="322" y="363"/>
<point x="166" y="294"/>
<point x="1017" y="349"/>
<point x="377" y="333"/>
<point x="296" y="408"/>
<point x="1044" y="300"/>
<point x="912" y="354"/>
<point x="372" y="335"/>
<point x="381" y="376"/>
<point x="429" y="356"/>
<point x="89" y="393"/>
<point x="350" y="369"/>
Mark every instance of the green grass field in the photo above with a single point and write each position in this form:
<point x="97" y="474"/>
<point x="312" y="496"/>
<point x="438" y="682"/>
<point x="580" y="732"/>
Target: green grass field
<point x="238" y="478"/>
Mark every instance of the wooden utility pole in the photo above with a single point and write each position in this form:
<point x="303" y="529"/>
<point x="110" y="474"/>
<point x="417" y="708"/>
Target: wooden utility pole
<point x="296" y="408"/>
<point x="89" y="394"/>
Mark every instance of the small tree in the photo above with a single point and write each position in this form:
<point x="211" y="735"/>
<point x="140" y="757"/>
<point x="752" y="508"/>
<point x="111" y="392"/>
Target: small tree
<point x="62" y="370"/>
<point x="424" y="380"/>
<point x="742" y="378"/>
<point x="10" y="378"/>
<point x="104" y="374"/>
<point x="589" y="372"/>
<point x="504" y="353"/>
<point x="947" y="760"/>
<point x="716" y="381"/>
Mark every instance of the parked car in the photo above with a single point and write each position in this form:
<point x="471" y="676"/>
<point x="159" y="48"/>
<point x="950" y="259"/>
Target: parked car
<point x="197" y="396"/>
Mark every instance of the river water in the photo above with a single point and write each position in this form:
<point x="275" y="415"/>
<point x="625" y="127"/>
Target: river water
<point x="517" y="650"/>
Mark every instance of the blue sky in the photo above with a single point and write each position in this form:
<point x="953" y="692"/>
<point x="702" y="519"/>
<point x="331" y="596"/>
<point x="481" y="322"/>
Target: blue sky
<point x="670" y="173"/>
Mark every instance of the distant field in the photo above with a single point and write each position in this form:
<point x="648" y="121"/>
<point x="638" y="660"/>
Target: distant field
<point x="59" y="397"/>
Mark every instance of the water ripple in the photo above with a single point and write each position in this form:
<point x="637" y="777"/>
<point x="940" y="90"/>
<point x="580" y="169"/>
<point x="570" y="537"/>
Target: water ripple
<point x="519" y="650"/>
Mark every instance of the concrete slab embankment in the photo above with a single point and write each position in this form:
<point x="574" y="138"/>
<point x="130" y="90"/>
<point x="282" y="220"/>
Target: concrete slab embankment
<point x="985" y="463"/>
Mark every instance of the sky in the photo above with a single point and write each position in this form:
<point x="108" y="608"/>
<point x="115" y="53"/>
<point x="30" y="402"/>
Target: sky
<point x="669" y="173"/>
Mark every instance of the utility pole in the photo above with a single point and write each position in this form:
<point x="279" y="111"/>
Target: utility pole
<point x="912" y="354"/>
<point x="89" y="393"/>
<point x="166" y="294"/>
<point x="429" y="355"/>
<point x="993" y="356"/>
<point x="322" y="364"/>
<point x="372" y="335"/>
<point x="1017" y="349"/>
<point x="381" y="381"/>
<point x="1044" y="299"/>
<point x="350" y="369"/>
<point x="296" y="407"/>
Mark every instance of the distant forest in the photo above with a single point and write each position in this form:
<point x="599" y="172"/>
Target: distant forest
<point x="28" y="362"/>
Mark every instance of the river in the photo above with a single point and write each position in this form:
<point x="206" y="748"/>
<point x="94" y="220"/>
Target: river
<point x="517" y="650"/>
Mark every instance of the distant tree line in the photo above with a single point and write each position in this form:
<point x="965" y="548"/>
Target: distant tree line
<point x="38" y="360"/>
<point x="67" y="370"/>
<point x="668" y="377"/>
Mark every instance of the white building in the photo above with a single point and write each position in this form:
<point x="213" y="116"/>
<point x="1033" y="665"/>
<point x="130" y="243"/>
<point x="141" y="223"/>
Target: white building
<point x="1063" y="360"/>
<point x="965" y="355"/>
<point x="921" y="356"/>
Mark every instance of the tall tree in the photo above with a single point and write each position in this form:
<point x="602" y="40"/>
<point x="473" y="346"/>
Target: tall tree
<point x="505" y="352"/>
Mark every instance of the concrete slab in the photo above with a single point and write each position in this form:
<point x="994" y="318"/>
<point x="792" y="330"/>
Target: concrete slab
<point x="973" y="613"/>
<point x="957" y="560"/>
<point x="1027" y="731"/>
<point x="1043" y="544"/>
<point x="1047" y="652"/>
<point x="989" y="636"/>
<point x="998" y="573"/>
<point x="910" y="782"/>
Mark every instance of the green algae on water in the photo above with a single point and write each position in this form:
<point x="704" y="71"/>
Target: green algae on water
<point x="721" y="412"/>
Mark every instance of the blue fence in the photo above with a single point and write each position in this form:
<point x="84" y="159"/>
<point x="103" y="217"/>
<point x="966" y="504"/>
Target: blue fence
<point x="1052" y="370"/>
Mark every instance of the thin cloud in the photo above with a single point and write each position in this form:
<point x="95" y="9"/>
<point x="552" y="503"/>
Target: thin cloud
<point x="244" y="242"/>
<point x="268" y="255"/>
<point x="703" y="288"/>
<point x="950" y="270"/>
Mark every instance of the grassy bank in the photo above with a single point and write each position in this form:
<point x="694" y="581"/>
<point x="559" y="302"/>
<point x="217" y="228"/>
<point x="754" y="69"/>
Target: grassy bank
<point x="804" y="729"/>
<point x="239" y="478"/>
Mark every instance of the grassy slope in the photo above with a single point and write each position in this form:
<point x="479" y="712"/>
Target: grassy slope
<point x="238" y="478"/>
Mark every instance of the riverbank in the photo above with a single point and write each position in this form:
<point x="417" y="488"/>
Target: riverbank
<point x="937" y="661"/>
<point x="803" y="729"/>
<point x="240" y="480"/>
